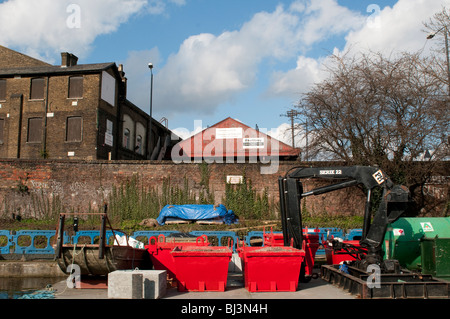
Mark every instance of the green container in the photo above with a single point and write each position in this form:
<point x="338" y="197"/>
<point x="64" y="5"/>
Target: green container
<point x="404" y="237"/>
<point x="436" y="257"/>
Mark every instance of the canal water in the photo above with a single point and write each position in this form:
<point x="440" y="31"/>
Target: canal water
<point x="26" y="288"/>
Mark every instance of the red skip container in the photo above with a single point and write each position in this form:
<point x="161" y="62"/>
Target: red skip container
<point x="275" y="268"/>
<point x="310" y="246"/>
<point x="201" y="268"/>
<point x="160" y="253"/>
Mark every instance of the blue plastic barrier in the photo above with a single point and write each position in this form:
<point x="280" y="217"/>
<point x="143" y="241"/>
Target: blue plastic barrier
<point x="322" y="232"/>
<point x="33" y="234"/>
<point x="9" y="241"/>
<point x="219" y="235"/>
<point x="152" y="233"/>
<point x="354" y="234"/>
<point x="92" y="234"/>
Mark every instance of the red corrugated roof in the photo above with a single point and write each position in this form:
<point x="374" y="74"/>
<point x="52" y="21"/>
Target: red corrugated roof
<point x="231" y="138"/>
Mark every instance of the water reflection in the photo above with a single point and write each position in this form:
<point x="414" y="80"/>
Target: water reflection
<point x="14" y="288"/>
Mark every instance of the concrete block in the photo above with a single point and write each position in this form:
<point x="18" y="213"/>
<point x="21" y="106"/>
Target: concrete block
<point x="125" y="285"/>
<point x="235" y="265"/>
<point x="153" y="284"/>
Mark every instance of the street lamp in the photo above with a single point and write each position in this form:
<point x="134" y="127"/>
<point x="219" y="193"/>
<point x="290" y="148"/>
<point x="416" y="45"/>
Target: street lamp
<point x="150" y="66"/>
<point x="431" y="36"/>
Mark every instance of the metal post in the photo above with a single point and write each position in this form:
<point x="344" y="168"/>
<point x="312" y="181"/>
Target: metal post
<point x="367" y="214"/>
<point x="448" y="57"/>
<point x="150" y="151"/>
<point x="60" y="236"/>
<point x="101" y="250"/>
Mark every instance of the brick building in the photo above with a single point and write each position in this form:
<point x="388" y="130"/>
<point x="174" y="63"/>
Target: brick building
<point x="73" y="111"/>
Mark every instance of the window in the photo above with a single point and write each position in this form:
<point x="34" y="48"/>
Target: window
<point x="75" y="87"/>
<point x="74" y="129"/>
<point x="138" y="146"/>
<point x="2" y="126"/>
<point x="34" y="130"/>
<point x="126" y="138"/>
<point x="2" y="90"/>
<point x="37" y="89"/>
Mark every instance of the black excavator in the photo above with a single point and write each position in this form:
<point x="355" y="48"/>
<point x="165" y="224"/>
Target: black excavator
<point x="394" y="202"/>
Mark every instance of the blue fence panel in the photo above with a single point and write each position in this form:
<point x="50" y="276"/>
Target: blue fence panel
<point x="92" y="234"/>
<point x="33" y="234"/>
<point x="219" y="235"/>
<point x="354" y="234"/>
<point x="9" y="241"/>
<point x="152" y="233"/>
<point x="253" y="234"/>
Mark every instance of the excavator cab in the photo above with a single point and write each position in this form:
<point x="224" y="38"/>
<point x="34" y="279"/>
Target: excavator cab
<point x="394" y="202"/>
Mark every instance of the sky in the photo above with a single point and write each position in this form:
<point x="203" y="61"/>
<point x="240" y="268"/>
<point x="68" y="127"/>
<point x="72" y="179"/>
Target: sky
<point x="246" y="59"/>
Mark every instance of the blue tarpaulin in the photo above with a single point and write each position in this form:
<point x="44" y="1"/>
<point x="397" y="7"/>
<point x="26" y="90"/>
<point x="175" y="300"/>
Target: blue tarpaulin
<point x="196" y="212"/>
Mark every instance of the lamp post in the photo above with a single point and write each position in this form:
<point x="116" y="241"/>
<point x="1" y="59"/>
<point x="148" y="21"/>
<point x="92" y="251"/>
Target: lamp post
<point x="431" y="36"/>
<point x="150" y="151"/>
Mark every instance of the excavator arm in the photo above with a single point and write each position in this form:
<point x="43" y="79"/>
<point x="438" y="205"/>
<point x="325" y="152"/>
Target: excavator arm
<point x="395" y="199"/>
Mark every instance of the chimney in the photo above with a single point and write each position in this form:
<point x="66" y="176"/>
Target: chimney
<point x="68" y="59"/>
<point x="123" y="87"/>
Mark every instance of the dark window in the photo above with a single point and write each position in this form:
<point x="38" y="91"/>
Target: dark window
<point x="37" y="89"/>
<point x="76" y="87"/>
<point x="2" y="126"/>
<point x="2" y="90"/>
<point x="74" y="129"/>
<point x="34" y="130"/>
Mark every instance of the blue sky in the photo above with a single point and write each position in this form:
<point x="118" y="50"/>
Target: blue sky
<point x="247" y="59"/>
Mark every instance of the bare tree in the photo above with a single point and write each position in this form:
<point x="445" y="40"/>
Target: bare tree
<point x="438" y="27"/>
<point x="377" y="110"/>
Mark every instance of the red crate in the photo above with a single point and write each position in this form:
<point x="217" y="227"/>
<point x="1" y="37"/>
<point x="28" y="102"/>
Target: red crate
<point x="160" y="254"/>
<point x="274" y="268"/>
<point x="201" y="268"/>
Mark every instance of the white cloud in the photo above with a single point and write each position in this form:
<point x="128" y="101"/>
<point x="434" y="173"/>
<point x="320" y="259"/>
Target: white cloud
<point x="296" y="81"/>
<point x="45" y="28"/>
<point x="209" y="70"/>
<point x="325" y="18"/>
<point x="160" y="6"/>
<point x="283" y="133"/>
<point x="387" y="30"/>
<point x="397" y="28"/>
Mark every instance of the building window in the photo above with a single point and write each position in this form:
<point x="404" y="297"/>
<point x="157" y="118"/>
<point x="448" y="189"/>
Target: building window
<point x="74" y="129"/>
<point x="37" y="89"/>
<point x="138" y="146"/>
<point x="2" y="90"/>
<point x="126" y="139"/>
<point x="34" y="130"/>
<point x="2" y="126"/>
<point x="75" y="87"/>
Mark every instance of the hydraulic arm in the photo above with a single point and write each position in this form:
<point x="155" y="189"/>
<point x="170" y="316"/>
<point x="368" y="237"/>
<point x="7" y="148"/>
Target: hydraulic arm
<point x="394" y="202"/>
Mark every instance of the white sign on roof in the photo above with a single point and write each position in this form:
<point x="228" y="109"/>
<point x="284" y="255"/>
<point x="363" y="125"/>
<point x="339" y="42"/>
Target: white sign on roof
<point x="229" y="133"/>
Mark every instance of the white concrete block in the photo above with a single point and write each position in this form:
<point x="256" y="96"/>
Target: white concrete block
<point x="235" y="265"/>
<point x="125" y="285"/>
<point x="153" y="284"/>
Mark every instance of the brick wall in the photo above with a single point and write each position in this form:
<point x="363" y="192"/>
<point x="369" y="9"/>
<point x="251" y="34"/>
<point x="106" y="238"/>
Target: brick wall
<point x="82" y="183"/>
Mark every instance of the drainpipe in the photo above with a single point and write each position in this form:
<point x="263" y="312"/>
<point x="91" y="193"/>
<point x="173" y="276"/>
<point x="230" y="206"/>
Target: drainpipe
<point x="45" y="121"/>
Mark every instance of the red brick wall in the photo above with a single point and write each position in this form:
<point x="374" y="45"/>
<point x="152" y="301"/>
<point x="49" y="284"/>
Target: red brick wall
<point x="82" y="183"/>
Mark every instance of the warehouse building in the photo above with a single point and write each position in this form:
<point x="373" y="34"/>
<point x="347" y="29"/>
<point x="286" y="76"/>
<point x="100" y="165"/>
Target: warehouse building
<point x="231" y="141"/>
